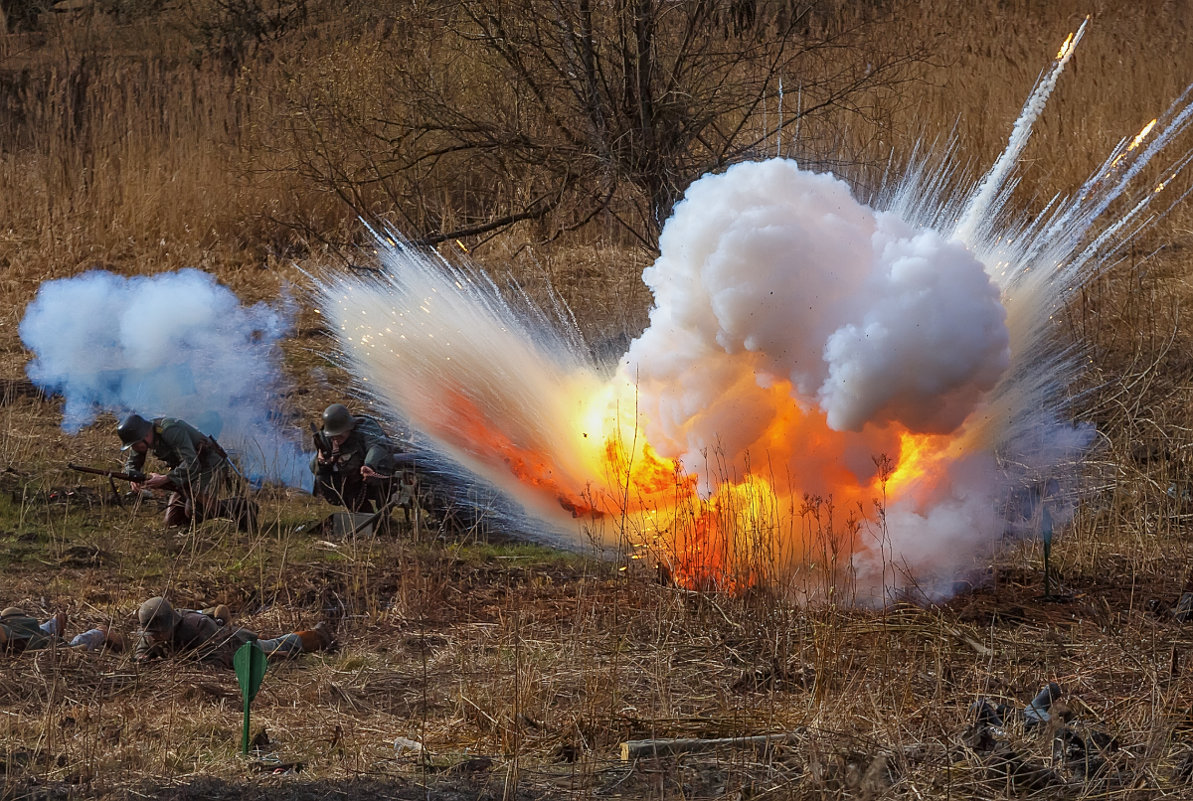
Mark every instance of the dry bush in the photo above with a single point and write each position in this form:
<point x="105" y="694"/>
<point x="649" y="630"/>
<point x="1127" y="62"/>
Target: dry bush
<point x="566" y="115"/>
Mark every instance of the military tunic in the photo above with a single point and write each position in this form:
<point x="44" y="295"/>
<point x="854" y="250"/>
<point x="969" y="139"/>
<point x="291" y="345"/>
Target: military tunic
<point x="211" y="641"/>
<point x="366" y="444"/>
<point x="196" y="463"/>
<point x="340" y="481"/>
<point x="198" y="633"/>
<point x="24" y="633"/>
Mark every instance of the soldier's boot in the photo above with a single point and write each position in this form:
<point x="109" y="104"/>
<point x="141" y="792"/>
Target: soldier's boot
<point x="177" y="518"/>
<point x="223" y="614"/>
<point x="317" y="639"/>
<point x="177" y="513"/>
<point x="220" y="613"/>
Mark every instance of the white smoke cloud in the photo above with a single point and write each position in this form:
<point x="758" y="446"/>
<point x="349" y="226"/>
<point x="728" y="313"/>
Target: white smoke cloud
<point x="929" y="340"/>
<point x="935" y="536"/>
<point x="177" y="344"/>
<point x="871" y="321"/>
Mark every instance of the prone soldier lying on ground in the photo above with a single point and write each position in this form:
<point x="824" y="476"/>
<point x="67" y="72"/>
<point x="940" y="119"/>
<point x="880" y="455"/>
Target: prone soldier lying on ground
<point x="199" y="471"/>
<point x="21" y="632"/>
<point x="211" y="637"/>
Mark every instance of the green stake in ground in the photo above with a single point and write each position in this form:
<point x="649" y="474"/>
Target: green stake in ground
<point x="249" y="661"/>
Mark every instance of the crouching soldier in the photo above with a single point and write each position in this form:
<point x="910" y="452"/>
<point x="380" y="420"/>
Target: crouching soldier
<point x="353" y="462"/>
<point x="21" y="632"/>
<point x="211" y="637"/>
<point x="199" y="471"/>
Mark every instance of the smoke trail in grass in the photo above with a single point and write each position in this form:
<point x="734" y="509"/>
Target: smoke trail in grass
<point x="177" y="344"/>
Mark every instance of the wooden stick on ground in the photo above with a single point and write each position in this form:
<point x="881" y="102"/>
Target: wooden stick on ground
<point x="634" y="749"/>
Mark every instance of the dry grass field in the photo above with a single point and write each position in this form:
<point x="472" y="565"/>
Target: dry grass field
<point x="469" y="665"/>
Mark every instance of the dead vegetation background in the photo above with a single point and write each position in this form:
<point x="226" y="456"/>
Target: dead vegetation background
<point x="248" y="138"/>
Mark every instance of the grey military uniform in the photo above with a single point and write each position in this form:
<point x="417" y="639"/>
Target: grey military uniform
<point x="367" y="444"/>
<point x="199" y="473"/>
<point x="198" y="633"/>
<point x="196" y="462"/>
<point x="212" y="641"/>
<point x="338" y="478"/>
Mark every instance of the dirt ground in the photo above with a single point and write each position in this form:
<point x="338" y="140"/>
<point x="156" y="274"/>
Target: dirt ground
<point x="469" y="668"/>
<point x="470" y="664"/>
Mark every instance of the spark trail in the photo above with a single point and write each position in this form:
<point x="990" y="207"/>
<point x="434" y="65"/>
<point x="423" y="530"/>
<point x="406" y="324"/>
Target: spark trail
<point x="807" y="355"/>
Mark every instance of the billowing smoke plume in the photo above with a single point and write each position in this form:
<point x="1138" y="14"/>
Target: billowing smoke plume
<point x="177" y="344"/>
<point x="772" y="274"/>
<point x="799" y="328"/>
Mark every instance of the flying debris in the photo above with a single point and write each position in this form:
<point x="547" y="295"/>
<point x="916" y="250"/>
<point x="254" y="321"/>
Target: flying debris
<point x="831" y="396"/>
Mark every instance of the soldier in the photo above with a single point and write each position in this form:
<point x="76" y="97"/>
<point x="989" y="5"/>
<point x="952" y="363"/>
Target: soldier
<point x="210" y="635"/>
<point x="353" y="462"/>
<point x="21" y="632"/>
<point x="199" y="470"/>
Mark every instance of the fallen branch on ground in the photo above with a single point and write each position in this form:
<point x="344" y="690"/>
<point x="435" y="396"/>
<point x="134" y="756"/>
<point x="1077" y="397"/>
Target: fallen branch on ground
<point x="633" y="749"/>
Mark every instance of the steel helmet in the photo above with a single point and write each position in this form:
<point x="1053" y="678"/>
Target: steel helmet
<point x="12" y="611"/>
<point x="337" y="420"/>
<point x="132" y="430"/>
<point x="158" y="615"/>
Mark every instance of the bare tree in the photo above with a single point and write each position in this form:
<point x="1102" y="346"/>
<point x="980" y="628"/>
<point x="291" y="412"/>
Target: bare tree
<point x="503" y="111"/>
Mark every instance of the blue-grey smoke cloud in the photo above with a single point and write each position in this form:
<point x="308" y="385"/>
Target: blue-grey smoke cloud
<point x="177" y="344"/>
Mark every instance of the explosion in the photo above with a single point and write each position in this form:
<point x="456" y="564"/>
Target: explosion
<point x="831" y="396"/>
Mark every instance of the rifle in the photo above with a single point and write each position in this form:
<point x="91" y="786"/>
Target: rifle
<point x="136" y="478"/>
<point x="329" y="450"/>
<point x="209" y="442"/>
<point x="112" y="475"/>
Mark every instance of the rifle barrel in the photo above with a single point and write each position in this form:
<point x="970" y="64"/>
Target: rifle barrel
<point x="85" y="469"/>
<point x="109" y="473"/>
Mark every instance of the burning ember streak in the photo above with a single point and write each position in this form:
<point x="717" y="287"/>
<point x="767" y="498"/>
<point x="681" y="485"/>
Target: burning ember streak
<point x="830" y="397"/>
